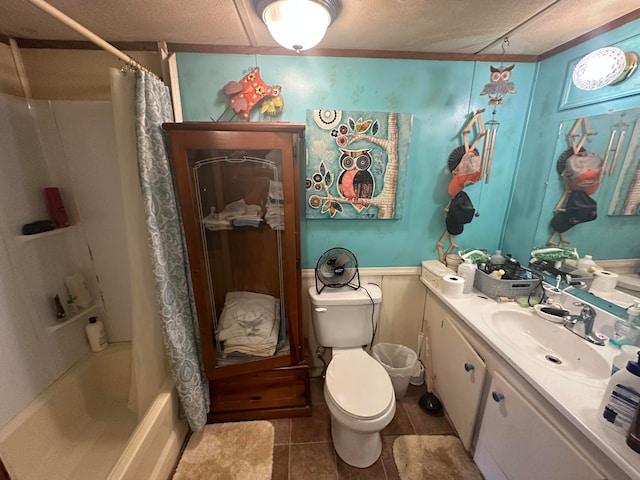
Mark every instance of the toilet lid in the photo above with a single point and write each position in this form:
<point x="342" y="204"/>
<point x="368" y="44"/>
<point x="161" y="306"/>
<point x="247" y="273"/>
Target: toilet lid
<point x="359" y="384"/>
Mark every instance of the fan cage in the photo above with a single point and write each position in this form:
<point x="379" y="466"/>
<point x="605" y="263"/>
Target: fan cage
<point x="331" y="255"/>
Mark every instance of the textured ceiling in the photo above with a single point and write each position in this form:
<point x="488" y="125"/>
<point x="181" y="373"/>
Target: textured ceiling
<point x="425" y="26"/>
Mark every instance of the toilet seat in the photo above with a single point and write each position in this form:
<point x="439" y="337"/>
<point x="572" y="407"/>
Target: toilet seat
<point x="358" y="384"/>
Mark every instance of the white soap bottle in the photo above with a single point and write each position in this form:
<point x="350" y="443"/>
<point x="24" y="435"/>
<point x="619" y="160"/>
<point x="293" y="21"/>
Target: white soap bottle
<point x="621" y="398"/>
<point x="467" y="270"/>
<point x="96" y="334"/>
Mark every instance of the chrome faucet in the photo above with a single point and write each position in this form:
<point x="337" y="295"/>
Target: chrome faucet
<point x="582" y="324"/>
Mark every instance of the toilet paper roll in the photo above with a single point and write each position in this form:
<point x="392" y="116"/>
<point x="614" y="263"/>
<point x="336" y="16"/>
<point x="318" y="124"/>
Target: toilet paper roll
<point x="452" y="286"/>
<point x="604" y="281"/>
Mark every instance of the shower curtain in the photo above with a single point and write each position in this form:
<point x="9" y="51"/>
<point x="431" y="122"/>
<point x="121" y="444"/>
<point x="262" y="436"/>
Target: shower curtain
<point x="162" y="296"/>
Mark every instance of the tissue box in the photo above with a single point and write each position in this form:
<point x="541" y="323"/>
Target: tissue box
<point x="433" y="271"/>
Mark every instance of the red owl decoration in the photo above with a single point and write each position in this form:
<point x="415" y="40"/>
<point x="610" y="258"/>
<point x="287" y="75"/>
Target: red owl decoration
<point x="249" y="91"/>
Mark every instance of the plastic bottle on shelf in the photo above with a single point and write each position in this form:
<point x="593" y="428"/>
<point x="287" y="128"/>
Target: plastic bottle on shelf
<point x="633" y="314"/>
<point x="467" y="270"/>
<point x="624" y="333"/>
<point x="497" y="274"/>
<point x="621" y="398"/>
<point x="96" y="334"/>
<point x="497" y="258"/>
<point x="586" y="266"/>
<point x="586" y="262"/>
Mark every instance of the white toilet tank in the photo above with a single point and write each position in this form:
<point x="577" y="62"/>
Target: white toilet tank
<point x="344" y="317"/>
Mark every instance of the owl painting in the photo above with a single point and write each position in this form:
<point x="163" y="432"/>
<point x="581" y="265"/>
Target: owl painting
<point x="355" y="182"/>
<point x="500" y="84"/>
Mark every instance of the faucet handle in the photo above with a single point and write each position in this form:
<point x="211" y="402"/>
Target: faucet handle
<point x="587" y="310"/>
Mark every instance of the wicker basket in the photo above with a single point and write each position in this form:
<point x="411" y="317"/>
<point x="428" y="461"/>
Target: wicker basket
<point x="494" y="287"/>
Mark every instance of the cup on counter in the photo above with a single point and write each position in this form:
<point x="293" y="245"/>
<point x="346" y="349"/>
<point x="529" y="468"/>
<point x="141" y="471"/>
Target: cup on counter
<point x="453" y="260"/>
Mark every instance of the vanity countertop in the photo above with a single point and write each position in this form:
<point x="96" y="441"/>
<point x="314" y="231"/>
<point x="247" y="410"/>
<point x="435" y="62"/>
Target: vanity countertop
<point x="577" y="398"/>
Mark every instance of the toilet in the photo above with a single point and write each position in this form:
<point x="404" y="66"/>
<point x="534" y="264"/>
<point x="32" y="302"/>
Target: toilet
<point x="357" y="389"/>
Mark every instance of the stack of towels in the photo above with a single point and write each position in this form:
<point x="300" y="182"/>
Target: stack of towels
<point x="275" y="206"/>
<point x="249" y="324"/>
<point x="235" y="214"/>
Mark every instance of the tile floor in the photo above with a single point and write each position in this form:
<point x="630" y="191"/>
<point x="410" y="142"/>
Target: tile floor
<point x="303" y="448"/>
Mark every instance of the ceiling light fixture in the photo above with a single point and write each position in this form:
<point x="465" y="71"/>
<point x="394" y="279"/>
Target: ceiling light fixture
<point x="297" y="24"/>
<point x="605" y="66"/>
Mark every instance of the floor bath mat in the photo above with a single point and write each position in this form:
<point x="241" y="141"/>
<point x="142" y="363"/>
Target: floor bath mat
<point x="430" y="457"/>
<point x="228" y="451"/>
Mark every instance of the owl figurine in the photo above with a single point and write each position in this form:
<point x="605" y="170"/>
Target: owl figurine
<point x="246" y="93"/>
<point x="500" y="84"/>
<point x="355" y="182"/>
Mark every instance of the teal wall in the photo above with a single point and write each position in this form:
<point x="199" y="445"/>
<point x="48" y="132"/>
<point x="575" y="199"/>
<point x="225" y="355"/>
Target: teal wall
<point x="442" y="96"/>
<point x="537" y="187"/>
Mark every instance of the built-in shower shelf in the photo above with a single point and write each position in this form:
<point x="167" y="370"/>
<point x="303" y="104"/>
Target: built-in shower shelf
<point x="50" y="233"/>
<point x="82" y="314"/>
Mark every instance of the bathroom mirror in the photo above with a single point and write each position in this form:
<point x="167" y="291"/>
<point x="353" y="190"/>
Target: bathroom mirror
<point x="614" y="136"/>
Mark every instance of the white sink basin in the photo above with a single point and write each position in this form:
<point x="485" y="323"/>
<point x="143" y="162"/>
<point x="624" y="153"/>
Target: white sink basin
<point x="549" y="343"/>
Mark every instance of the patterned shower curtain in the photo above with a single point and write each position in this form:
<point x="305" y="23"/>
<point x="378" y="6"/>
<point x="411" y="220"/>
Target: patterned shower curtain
<point x="168" y="250"/>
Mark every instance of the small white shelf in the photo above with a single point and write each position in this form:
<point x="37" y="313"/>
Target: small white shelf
<point x="50" y="233"/>
<point x="53" y="328"/>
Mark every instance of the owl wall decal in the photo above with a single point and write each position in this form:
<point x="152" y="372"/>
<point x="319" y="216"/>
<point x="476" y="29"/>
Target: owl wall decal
<point x="500" y="84"/>
<point x="247" y="92"/>
<point x="355" y="182"/>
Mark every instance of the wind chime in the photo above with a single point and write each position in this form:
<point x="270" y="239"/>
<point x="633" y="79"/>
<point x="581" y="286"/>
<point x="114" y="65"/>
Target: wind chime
<point x="616" y="139"/>
<point x="467" y="164"/>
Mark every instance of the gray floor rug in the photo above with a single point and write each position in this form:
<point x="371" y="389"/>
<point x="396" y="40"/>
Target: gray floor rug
<point x="433" y="457"/>
<point x="228" y="451"/>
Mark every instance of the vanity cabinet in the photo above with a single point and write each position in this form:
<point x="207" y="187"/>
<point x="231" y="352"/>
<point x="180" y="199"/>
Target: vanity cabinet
<point x="238" y="189"/>
<point x="511" y="430"/>
<point x="516" y="442"/>
<point x="459" y="372"/>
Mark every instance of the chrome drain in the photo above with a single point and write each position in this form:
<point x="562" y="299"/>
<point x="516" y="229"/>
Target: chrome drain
<point x="553" y="359"/>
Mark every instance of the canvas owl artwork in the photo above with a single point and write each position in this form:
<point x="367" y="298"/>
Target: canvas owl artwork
<point x="500" y="84"/>
<point x="356" y="164"/>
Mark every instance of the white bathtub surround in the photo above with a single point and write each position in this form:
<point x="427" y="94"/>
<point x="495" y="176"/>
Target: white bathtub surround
<point x="80" y="426"/>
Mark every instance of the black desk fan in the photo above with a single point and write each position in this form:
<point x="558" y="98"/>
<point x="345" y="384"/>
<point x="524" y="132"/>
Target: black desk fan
<point x="337" y="267"/>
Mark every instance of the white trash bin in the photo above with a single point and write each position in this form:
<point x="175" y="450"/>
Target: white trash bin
<point x="400" y="362"/>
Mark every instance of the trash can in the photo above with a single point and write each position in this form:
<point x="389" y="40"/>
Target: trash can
<point x="400" y="362"/>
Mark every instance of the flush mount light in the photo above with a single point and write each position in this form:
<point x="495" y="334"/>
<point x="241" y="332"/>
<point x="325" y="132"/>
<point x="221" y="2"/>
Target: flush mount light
<point x="297" y="24"/>
<point x="605" y="66"/>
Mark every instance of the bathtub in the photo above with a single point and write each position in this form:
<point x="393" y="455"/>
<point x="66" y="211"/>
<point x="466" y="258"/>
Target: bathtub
<point x="80" y="427"/>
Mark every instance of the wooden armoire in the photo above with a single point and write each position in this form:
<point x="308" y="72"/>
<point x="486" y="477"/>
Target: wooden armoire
<point x="238" y="187"/>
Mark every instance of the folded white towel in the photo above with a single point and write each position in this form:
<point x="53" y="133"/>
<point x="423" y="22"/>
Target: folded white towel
<point x="233" y="209"/>
<point x="250" y="323"/>
<point x="275" y="190"/>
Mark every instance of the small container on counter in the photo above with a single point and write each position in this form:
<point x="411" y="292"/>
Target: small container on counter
<point x="467" y="270"/>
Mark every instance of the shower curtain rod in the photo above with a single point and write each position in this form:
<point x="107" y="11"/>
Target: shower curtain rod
<point x="54" y="12"/>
